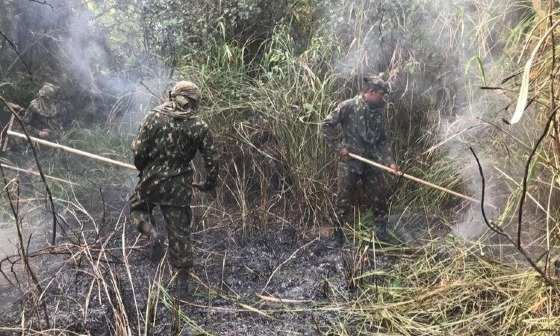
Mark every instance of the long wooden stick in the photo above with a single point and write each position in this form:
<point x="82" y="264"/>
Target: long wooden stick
<point x="412" y="178"/>
<point x="31" y="172"/>
<point x="73" y="150"/>
<point x="82" y="153"/>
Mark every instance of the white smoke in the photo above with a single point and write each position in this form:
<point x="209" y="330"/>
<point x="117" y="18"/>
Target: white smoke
<point x="461" y="40"/>
<point x="105" y="70"/>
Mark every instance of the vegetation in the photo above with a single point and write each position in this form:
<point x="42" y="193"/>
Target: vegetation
<point x="270" y="72"/>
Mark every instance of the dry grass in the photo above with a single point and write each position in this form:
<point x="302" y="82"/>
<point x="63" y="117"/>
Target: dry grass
<point x="276" y="169"/>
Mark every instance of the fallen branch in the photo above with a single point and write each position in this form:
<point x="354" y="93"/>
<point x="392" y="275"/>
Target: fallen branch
<point x="31" y="172"/>
<point x="279" y="300"/>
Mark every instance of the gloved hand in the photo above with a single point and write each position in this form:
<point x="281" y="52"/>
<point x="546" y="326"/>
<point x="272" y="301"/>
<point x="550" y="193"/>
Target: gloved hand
<point x="344" y="154"/>
<point x="396" y="169"/>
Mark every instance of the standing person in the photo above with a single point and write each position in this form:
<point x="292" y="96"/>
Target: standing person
<point x="362" y="122"/>
<point x="46" y="115"/>
<point x="168" y="140"/>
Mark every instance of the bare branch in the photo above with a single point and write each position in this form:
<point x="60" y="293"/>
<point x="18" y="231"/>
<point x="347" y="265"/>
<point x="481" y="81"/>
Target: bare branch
<point x="527" y="171"/>
<point x="39" y="168"/>
<point x="15" y="49"/>
<point x="42" y="2"/>
<point x="14" y="205"/>
<point x="504" y="234"/>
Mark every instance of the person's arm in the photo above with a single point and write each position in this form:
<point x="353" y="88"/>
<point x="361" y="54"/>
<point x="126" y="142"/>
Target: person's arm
<point x="210" y="157"/>
<point x="331" y="131"/>
<point x="143" y="141"/>
<point x="29" y="120"/>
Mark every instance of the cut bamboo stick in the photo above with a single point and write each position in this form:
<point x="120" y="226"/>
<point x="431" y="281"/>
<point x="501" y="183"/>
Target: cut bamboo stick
<point x="74" y="151"/>
<point x="412" y="178"/>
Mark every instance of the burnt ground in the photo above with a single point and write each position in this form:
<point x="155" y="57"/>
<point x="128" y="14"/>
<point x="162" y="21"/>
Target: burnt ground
<point x="272" y="265"/>
<point x="237" y="287"/>
<point x="258" y="280"/>
<point x="274" y="281"/>
<point x="262" y="280"/>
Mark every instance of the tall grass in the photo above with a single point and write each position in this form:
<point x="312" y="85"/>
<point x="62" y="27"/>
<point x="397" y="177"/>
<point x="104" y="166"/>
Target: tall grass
<point x="265" y="108"/>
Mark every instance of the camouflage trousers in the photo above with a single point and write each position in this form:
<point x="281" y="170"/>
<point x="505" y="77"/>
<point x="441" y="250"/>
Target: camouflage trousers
<point x="178" y="223"/>
<point x="360" y="188"/>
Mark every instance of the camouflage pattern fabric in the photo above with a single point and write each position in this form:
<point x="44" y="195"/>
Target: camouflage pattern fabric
<point x="363" y="133"/>
<point x="45" y="112"/>
<point x="363" y="130"/>
<point x="361" y="190"/>
<point x="167" y="142"/>
<point x="178" y="222"/>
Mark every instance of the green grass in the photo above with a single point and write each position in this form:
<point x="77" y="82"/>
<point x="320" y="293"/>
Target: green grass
<point x="266" y="107"/>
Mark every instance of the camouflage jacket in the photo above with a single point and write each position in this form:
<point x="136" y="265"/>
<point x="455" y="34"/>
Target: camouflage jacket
<point x="41" y="114"/>
<point x="163" y="149"/>
<point x="363" y="130"/>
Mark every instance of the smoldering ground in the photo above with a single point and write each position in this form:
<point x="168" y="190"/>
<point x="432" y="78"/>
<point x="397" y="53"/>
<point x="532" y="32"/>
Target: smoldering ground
<point x="273" y="280"/>
<point x="260" y="268"/>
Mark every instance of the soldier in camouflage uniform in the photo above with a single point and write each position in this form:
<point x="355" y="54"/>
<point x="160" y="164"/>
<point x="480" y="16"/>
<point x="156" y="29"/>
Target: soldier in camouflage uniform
<point x="46" y="115"/>
<point x="362" y="122"/>
<point x="168" y="140"/>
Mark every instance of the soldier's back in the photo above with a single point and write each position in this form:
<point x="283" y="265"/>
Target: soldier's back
<point x="177" y="136"/>
<point x="175" y="139"/>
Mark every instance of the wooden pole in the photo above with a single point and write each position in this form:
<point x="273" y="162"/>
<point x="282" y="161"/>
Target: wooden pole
<point x="31" y="172"/>
<point x="81" y="153"/>
<point x="73" y="150"/>
<point x="412" y="178"/>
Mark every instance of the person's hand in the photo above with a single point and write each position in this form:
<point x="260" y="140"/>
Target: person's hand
<point x="344" y="154"/>
<point x="44" y="133"/>
<point x="396" y="168"/>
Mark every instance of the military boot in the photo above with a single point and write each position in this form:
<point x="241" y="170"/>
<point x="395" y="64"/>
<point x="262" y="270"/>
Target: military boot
<point x="157" y="242"/>
<point x="338" y="237"/>
<point x="182" y="285"/>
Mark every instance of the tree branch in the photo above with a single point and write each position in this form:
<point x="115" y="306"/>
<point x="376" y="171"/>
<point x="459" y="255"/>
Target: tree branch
<point x="14" y="205"/>
<point x="42" y="2"/>
<point x="15" y="49"/>
<point x="504" y="234"/>
<point x="39" y="168"/>
<point x="527" y="171"/>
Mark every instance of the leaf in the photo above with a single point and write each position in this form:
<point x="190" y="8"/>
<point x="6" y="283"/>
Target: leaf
<point x="478" y="60"/>
<point x="481" y="68"/>
<point x="524" y="89"/>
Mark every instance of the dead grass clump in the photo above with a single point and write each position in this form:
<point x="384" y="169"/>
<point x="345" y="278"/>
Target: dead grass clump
<point x="447" y="288"/>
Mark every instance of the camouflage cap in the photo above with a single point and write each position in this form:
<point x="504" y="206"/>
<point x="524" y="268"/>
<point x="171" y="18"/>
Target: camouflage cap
<point x="186" y="88"/>
<point x="48" y="90"/>
<point x="376" y="82"/>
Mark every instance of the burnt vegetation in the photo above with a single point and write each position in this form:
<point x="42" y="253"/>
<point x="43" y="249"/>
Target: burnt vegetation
<point x="473" y="108"/>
